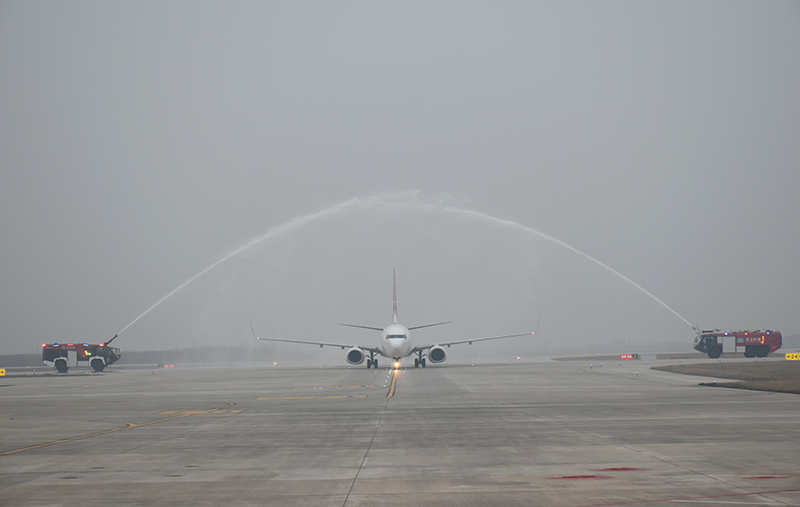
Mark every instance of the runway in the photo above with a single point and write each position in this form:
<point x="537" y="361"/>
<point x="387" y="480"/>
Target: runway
<point x="543" y="433"/>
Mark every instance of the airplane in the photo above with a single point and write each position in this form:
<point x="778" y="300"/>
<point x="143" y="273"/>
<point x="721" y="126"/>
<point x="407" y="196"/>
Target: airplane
<point x="395" y="342"/>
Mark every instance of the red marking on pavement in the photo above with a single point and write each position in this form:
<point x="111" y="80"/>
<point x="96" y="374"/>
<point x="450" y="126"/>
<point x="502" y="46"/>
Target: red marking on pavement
<point x="767" y="477"/>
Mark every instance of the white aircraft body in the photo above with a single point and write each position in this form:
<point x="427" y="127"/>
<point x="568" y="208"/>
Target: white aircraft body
<point x="395" y="342"/>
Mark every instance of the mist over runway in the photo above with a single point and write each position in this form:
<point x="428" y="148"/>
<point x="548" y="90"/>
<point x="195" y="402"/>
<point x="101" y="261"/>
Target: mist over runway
<point x="547" y="433"/>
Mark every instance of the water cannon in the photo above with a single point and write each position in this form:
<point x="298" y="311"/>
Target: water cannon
<point x="111" y="340"/>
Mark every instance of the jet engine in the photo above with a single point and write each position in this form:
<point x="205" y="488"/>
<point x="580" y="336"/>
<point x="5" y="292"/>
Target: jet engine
<point x="355" y="356"/>
<point x="437" y="354"/>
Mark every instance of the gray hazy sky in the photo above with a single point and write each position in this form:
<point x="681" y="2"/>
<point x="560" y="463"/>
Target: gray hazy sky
<point x="140" y="142"/>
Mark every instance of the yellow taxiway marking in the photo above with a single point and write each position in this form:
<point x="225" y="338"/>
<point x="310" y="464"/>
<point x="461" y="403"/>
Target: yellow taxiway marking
<point x="394" y="383"/>
<point x="126" y="427"/>
<point x="330" y="387"/>
<point x="312" y="397"/>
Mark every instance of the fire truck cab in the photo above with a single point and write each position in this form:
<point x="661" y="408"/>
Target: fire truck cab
<point x="63" y="355"/>
<point x="759" y="343"/>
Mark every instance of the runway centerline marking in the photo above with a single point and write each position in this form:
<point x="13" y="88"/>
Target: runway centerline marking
<point x="394" y="384"/>
<point x="127" y="426"/>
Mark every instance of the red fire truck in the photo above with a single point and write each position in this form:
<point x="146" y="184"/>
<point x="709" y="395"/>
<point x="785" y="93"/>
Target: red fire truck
<point x="758" y="343"/>
<point x="64" y="355"/>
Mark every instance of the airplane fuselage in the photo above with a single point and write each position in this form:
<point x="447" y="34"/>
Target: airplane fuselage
<point x="395" y="341"/>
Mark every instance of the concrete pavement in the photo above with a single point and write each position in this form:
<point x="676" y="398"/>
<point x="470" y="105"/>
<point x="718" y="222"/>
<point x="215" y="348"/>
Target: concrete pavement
<point x="539" y="433"/>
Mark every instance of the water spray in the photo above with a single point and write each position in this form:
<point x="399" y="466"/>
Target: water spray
<point x="515" y="225"/>
<point x="391" y="201"/>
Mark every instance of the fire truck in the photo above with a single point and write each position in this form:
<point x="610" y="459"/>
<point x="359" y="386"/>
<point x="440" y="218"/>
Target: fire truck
<point x="63" y="355"/>
<point x="758" y="343"/>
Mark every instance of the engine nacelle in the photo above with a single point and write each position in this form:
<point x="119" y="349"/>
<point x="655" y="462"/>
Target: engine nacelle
<point x="355" y="356"/>
<point x="437" y="354"/>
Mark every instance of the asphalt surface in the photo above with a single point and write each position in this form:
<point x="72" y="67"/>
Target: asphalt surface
<point x="543" y="433"/>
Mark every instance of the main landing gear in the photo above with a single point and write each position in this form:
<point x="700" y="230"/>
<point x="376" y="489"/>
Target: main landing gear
<point x="419" y="361"/>
<point x="372" y="362"/>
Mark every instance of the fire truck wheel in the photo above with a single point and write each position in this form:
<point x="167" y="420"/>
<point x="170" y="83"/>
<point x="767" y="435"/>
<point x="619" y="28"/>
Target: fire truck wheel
<point x="763" y="351"/>
<point x="715" y="352"/>
<point x="98" y="364"/>
<point x="749" y="351"/>
<point x="61" y="365"/>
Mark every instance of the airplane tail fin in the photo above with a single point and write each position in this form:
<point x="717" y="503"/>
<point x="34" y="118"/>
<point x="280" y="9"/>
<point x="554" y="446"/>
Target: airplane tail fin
<point x="394" y="297"/>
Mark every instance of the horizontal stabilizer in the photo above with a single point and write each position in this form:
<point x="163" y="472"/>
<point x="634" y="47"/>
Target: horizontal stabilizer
<point x="363" y="327"/>
<point x="428" y="325"/>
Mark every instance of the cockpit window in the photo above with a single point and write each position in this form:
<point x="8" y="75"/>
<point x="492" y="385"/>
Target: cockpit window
<point x="397" y="336"/>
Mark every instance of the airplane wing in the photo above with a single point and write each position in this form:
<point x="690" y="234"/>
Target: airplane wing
<point x="425" y="347"/>
<point x="320" y="344"/>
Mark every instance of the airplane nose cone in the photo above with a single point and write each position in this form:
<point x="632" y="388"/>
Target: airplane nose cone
<point x="395" y="349"/>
